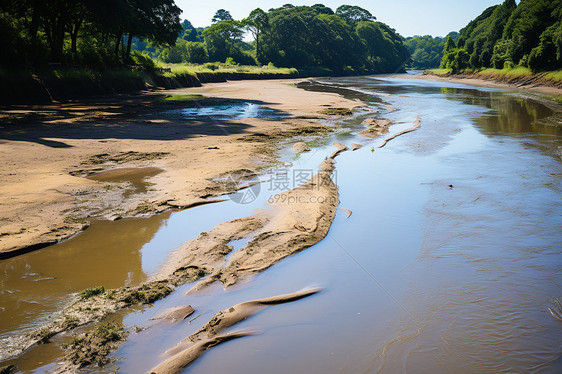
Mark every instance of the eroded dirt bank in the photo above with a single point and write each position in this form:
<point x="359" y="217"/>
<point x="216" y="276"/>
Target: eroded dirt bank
<point x="47" y="151"/>
<point x="536" y="83"/>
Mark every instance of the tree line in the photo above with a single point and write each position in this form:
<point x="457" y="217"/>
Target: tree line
<point x="427" y="51"/>
<point x="94" y="33"/>
<point x="315" y="37"/>
<point x="509" y="35"/>
<point x="102" y="33"/>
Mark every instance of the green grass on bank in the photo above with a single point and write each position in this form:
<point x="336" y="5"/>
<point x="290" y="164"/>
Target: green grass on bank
<point x="213" y="67"/>
<point x="555" y="76"/>
<point x="490" y="73"/>
<point x="77" y="82"/>
<point x="513" y="72"/>
<point x="440" y="71"/>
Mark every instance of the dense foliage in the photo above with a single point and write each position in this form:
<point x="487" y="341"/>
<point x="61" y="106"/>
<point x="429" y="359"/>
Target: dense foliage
<point x="426" y="51"/>
<point x="101" y="33"/>
<point x="505" y="35"/>
<point x="83" y="32"/>
<point x="314" y="37"/>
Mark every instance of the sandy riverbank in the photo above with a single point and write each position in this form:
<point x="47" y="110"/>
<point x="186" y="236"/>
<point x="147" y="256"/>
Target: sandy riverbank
<point x="48" y="151"/>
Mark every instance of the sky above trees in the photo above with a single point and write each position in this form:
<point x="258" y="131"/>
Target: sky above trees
<point x="408" y="17"/>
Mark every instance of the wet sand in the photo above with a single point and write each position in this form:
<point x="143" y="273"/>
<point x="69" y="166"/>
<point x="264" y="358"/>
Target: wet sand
<point x="49" y="150"/>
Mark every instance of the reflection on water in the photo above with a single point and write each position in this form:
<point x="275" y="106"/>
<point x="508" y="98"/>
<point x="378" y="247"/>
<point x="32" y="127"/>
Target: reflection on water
<point x="36" y="284"/>
<point x="422" y="277"/>
<point x="224" y="110"/>
<point x="509" y="114"/>
<point x="135" y="176"/>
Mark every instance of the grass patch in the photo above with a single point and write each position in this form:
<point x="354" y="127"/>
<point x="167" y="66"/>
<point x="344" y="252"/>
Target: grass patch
<point x="555" y="76"/>
<point x="144" y="294"/>
<point x="336" y="112"/>
<point x="193" y="69"/>
<point x="286" y="134"/>
<point x="72" y="220"/>
<point x="440" y="71"/>
<point x="517" y="71"/>
<point x="91" y="292"/>
<point x="183" y="97"/>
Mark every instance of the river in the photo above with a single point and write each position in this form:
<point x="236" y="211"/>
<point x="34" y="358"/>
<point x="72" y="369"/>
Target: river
<point x="448" y="263"/>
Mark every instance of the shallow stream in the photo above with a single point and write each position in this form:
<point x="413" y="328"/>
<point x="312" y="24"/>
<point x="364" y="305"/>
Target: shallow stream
<point x="447" y="264"/>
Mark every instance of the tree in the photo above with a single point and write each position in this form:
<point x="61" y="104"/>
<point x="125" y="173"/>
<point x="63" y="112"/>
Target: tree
<point x="256" y="22"/>
<point x="501" y="53"/>
<point x="222" y="15"/>
<point x="158" y="20"/>
<point x="196" y="52"/>
<point x="222" y="38"/>
<point x="354" y="14"/>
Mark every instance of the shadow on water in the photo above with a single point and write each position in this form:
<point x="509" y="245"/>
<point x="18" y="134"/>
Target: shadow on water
<point x="38" y="283"/>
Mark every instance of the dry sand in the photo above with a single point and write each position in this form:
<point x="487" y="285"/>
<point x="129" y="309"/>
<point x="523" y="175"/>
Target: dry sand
<point x="48" y="150"/>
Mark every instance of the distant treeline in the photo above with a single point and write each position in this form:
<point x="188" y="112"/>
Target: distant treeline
<point x="347" y="40"/>
<point x="509" y="35"/>
<point x="427" y="51"/>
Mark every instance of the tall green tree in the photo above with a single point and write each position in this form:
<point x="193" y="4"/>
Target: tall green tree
<point x="222" y="39"/>
<point x="353" y="14"/>
<point x="222" y="15"/>
<point x="256" y="23"/>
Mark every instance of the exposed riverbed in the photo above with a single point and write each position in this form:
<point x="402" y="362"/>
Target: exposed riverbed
<point x="448" y="262"/>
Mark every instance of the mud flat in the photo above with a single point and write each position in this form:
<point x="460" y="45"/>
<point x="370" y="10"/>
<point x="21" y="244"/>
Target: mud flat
<point x="52" y="154"/>
<point x="142" y="170"/>
<point x="293" y="221"/>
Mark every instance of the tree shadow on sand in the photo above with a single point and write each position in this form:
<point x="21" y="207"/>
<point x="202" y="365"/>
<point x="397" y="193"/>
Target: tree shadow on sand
<point x="133" y="117"/>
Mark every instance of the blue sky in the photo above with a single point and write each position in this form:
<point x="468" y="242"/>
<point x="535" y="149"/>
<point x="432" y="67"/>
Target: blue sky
<point x="408" y="17"/>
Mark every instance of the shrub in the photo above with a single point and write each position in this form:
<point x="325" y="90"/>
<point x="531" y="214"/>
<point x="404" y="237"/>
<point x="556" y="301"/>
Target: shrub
<point x="143" y="60"/>
<point x="211" y="66"/>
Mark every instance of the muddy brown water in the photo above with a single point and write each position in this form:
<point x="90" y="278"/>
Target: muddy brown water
<point x="421" y="278"/>
<point x="136" y="177"/>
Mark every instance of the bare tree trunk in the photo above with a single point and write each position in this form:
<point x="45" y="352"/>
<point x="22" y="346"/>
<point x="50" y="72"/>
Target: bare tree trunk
<point x="128" y="53"/>
<point x="117" y="44"/>
<point x="74" y="34"/>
